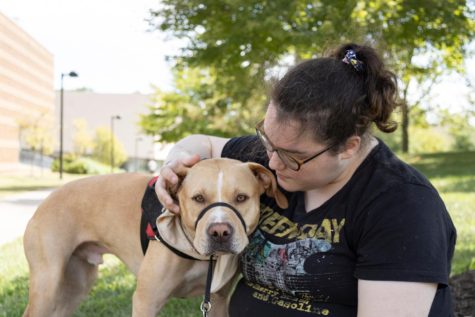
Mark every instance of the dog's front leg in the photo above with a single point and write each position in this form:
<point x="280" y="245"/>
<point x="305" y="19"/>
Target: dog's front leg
<point x="220" y="299"/>
<point x="157" y="279"/>
<point x="219" y="305"/>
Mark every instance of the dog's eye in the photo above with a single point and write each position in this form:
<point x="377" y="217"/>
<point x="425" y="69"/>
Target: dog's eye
<point x="241" y="198"/>
<point x="198" y="198"/>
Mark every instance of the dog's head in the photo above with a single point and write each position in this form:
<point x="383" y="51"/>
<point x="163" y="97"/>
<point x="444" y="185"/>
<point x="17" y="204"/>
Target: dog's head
<point x="219" y="203"/>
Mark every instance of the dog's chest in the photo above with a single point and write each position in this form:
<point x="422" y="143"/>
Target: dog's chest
<point x="194" y="280"/>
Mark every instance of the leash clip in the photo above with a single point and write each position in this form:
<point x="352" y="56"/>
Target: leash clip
<point x="205" y="307"/>
<point x="206" y="303"/>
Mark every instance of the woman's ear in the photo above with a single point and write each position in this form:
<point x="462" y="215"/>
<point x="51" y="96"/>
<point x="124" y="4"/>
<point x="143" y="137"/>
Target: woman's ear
<point x="351" y="148"/>
<point x="268" y="183"/>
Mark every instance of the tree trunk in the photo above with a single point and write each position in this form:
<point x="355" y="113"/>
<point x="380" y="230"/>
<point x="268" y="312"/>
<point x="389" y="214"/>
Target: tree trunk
<point x="405" y="121"/>
<point x="405" y="128"/>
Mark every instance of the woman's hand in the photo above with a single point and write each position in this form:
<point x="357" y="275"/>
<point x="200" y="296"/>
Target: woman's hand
<point x="168" y="179"/>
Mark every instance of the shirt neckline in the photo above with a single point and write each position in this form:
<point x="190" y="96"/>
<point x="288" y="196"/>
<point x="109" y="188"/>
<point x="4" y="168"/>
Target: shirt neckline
<point x="299" y="215"/>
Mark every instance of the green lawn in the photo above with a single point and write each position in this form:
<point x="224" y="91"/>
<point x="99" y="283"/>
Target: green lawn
<point x="14" y="184"/>
<point x="453" y="174"/>
<point x="111" y="295"/>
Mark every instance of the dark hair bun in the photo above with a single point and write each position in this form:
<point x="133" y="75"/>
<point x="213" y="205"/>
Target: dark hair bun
<point x="380" y="85"/>
<point x="335" y="98"/>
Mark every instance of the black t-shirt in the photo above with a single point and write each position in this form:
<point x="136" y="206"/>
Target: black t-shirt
<point x="387" y="223"/>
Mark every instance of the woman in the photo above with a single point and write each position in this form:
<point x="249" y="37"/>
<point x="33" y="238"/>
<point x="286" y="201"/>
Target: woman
<point x="364" y="234"/>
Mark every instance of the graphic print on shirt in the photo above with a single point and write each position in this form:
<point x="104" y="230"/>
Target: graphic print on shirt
<point x="284" y="274"/>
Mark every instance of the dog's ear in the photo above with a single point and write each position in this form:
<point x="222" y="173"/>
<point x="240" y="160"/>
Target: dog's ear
<point x="267" y="179"/>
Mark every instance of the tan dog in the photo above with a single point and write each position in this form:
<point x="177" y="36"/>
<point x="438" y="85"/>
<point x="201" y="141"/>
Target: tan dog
<point x="78" y="223"/>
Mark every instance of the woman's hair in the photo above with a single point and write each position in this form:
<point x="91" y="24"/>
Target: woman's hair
<point x="339" y="96"/>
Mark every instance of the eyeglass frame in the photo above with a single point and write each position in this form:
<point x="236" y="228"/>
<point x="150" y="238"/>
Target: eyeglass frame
<point x="265" y="139"/>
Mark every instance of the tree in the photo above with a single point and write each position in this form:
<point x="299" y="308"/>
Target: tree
<point x="460" y="129"/>
<point x="36" y="133"/>
<point x="82" y="139"/>
<point x="197" y="107"/>
<point x="421" y="40"/>
<point x="240" y="44"/>
<point x="102" y="147"/>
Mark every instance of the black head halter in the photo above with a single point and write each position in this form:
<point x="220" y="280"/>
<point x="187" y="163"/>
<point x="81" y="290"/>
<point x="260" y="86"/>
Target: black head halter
<point x="223" y="204"/>
<point x="206" y="304"/>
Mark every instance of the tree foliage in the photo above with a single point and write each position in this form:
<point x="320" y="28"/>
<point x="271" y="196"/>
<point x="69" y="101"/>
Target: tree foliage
<point x="461" y="130"/>
<point x="103" y="146"/>
<point x="36" y="133"/>
<point x="82" y="138"/>
<point x="235" y="48"/>
<point x="196" y="106"/>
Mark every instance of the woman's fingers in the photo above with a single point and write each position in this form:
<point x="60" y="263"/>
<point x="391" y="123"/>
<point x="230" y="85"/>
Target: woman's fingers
<point x="191" y="160"/>
<point x="168" y="179"/>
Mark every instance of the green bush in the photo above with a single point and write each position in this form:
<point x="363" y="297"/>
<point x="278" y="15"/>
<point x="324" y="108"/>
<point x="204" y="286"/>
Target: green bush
<point x="81" y="165"/>
<point x="464" y="139"/>
<point x="461" y="130"/>
<point x="392" y="140"/>
<point x="77" y="167"/>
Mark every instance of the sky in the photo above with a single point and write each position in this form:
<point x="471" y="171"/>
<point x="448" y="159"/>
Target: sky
<point x="105" y="41"/>
<point x="108" y="44"/>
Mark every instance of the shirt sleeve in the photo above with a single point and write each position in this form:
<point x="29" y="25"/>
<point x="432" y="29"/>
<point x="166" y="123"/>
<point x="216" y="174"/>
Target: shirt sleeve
<point x="405" y="235"/>
<point x="246" y="149"/>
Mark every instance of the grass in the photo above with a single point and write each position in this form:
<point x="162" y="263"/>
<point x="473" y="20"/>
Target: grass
<point x="453" y="174"/>
<point x="110" y="296"/>
<point x="14" y="184"/>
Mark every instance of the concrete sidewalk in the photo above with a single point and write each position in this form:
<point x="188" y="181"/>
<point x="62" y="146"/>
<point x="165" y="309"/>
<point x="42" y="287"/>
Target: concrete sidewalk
<point x="16" y="211"/>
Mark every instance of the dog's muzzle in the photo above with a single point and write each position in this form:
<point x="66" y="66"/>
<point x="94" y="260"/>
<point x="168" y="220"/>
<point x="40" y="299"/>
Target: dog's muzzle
<point x="220" y="204"/>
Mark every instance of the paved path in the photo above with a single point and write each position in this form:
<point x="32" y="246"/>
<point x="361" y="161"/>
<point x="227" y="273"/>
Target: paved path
<point x="16" y="211"/>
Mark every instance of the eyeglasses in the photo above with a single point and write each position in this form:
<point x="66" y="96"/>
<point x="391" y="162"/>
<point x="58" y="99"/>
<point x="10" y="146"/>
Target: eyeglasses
<point x="286" y="158"/>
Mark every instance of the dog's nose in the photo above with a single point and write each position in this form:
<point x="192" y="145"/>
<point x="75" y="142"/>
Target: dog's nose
<point x="220" y="232"/>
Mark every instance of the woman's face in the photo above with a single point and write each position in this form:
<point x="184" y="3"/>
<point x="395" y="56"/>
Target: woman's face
<point x="287" y="135"/>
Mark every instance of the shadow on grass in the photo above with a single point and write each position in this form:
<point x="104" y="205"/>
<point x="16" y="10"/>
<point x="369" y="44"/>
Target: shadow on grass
<point x="445" y="164"/>
<point x="461" y="185"/>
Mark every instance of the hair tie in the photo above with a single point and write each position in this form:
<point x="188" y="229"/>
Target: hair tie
<point x="350" y="58"/>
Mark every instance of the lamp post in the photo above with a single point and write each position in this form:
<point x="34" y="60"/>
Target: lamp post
<point x="61" y="120"/>
<point x="137" y="139"/>
<point x="112" y="140"/>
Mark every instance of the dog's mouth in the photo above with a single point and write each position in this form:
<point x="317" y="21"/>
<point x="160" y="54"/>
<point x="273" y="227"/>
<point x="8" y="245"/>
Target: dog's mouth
<point x="210" y="247"/>
<point x="220" y="249"/>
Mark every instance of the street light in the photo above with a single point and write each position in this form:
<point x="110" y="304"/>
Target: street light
<point x="112" y="140"/>
<point x="137" y="139"/>
<point x="61" y="119"/>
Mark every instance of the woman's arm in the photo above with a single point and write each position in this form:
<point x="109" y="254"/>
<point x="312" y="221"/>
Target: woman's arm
<point x="204" y="145"/>
<point x="185" y="153"/>
<point x="394" y="299"/>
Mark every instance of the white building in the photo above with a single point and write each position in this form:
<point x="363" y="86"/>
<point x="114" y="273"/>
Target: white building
<point x="26" y="89"/>
<point x="98" y="110"/>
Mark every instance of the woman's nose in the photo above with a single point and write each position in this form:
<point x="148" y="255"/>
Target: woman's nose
<point x="275" y="162"/>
